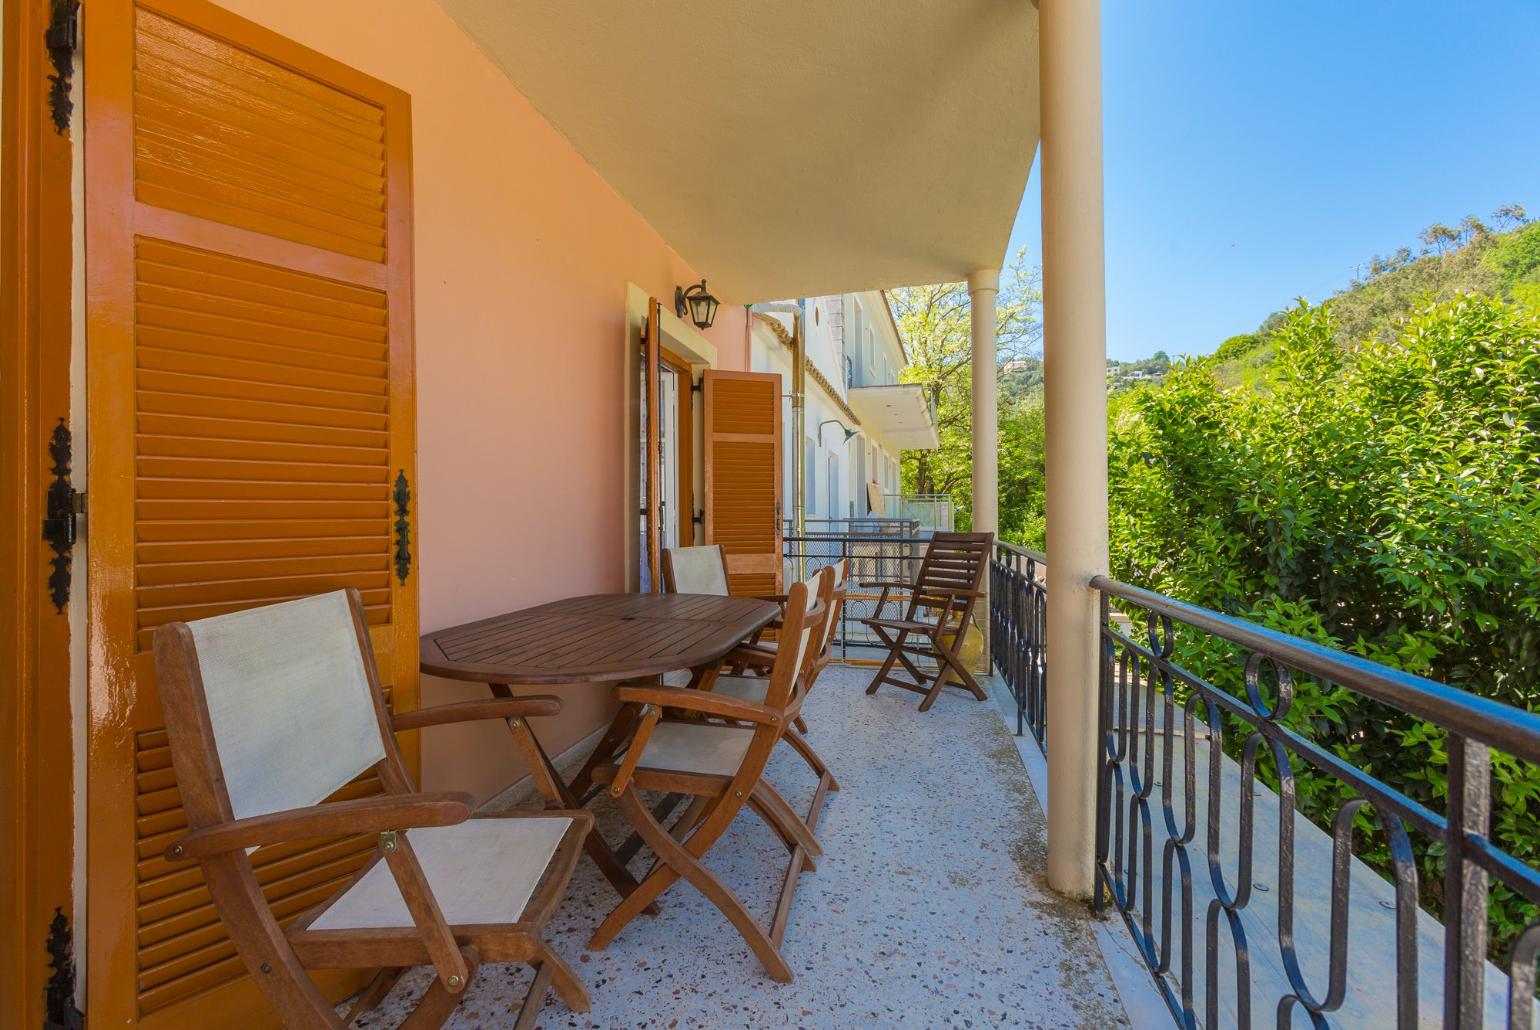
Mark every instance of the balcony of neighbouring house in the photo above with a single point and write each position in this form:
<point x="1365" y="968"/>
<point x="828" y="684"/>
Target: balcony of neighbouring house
<point x="900" y="411"/>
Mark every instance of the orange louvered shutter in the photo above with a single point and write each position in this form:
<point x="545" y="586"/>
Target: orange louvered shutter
<point x="743" y="476"/>
<point x="250" y="389"/>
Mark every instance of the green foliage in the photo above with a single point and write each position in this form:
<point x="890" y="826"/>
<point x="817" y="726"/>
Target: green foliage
<point x="1516" y="258"/>
<point x="1364" y="474"/>
<point x="1236" y="346"/>
<point x="1023" y="518"/>
<point x="1378" y="306"/>
<point x="1384" y="498"/>
<point x="935" y="323"/>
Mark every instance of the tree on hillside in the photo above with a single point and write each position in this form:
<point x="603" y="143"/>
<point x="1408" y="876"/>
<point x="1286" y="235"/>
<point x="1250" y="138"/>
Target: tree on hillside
<point x="1440" y="237"/>
<point x="1509" y="216"/>
<point x="935" y="322"/>
<point x="1516" y="258"/>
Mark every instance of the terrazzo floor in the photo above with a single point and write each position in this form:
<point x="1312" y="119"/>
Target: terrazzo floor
<point x="930" y="907"/>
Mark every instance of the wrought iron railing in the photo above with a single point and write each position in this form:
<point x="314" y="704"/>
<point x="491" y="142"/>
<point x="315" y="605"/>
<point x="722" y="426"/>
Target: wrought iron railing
<point x="1160" y="722"/>
<point x="886" y="551"/>
<point x="1018" y="629"/>
<point x="856" y="526"/>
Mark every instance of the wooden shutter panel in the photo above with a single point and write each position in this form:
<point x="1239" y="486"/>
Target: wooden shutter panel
<point x="743" y="476"/>
<point x="250" y="389"/>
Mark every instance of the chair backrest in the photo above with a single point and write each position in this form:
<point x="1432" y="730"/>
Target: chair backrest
<point x="278" y="706"/>
<point x="808" y="605"/>
<point x="953" y="561"/>
<point x="270" y="709"/>
<point x="841" y="571"/>
<point x="695" y="570"/>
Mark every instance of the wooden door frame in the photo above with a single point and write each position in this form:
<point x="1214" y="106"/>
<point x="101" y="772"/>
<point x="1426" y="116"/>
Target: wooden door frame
<point x="36" y="269"/>
<point x="651" y="358"/>
<point x="685" y="434"/>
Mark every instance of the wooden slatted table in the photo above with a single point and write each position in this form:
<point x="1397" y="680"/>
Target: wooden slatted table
<point x="599" y="638"/>
<point x="596" y="639"/>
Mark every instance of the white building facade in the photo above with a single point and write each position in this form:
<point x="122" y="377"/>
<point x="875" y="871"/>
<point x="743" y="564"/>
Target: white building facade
<point x="858" y="416"/>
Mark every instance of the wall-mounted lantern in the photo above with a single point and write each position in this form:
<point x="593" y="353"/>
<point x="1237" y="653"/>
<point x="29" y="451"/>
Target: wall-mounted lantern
<point x="849" y="433"/>
<point x="700" y="305"/>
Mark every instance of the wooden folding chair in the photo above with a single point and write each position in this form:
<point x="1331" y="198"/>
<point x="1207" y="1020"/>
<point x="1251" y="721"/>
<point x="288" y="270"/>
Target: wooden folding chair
<point x="271" y="710"/>
<point x="702" y="569"/>
<point x="721" y="765"/>
<point x="754" y="688"/>
<point x="937" y="615"/>
<point x="695" y="570"/>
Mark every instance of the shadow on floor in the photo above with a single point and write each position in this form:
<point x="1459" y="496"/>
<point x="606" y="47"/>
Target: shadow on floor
<point x="929" y="908"/>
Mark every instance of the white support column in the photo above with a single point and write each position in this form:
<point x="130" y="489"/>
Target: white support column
<point x="1075" y="393"/>
<point x="983" y="286"/>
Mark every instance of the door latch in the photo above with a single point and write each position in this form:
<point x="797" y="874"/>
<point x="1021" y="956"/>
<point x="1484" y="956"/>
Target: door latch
<point x="61" y="516"/>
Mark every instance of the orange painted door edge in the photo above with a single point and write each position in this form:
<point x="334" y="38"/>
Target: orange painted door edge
<point x="36" y="778"/>
<point x="653" y="469"/>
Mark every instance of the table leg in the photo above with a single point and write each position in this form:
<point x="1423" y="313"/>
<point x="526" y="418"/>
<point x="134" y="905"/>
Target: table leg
<point x="557" y="794"/>
<point x="705" y="677"/>
<point x="620" y="729"/>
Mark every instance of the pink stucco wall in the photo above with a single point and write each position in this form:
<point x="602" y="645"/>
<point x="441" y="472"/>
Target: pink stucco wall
<point x="523" y="255"/>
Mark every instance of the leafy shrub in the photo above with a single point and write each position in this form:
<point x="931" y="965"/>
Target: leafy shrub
<point x="1383" y="498"/>
<point x="1236" y="346"/>
<point x="1516" y="257"/>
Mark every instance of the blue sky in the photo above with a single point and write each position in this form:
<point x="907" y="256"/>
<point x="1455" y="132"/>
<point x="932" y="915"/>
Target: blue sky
<point x="1259" y="152"/>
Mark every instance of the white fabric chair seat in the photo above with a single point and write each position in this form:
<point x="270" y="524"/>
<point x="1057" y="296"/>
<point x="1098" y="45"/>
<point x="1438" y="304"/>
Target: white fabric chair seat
<point x="744" y="688"/>
<point x="695" y="747"/>
<point x="480" y="871"/>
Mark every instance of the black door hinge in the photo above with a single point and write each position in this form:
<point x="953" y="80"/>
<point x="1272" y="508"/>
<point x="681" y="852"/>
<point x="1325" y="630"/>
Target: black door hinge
<point x="403" y="499"/>
<point x="61" y="516"/>
<point x="62" y="38"/>
<point x="59" y="993"/>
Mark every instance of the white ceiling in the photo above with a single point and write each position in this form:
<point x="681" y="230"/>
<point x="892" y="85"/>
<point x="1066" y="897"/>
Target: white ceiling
<point x="790" y="148"/>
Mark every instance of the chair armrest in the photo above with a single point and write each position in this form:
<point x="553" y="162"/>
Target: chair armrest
<point x="330" y="819"/>
<point x="945" y="592"/>
<point x="910" y="588"/>
<point x="749" y="655"/>
<point x="468" y="711"/>
<point x="703" y="701"/>
<point x="773" y="598"/>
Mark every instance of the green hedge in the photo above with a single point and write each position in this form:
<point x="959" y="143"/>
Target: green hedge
<point x="1382" y="498"/>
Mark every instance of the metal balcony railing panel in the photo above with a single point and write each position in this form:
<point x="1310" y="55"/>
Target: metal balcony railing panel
<point x="879" y="550"/>
<point x="934" y="512"/>
<point x="1228" y="891"/>
<point x="1018" y="633"/>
